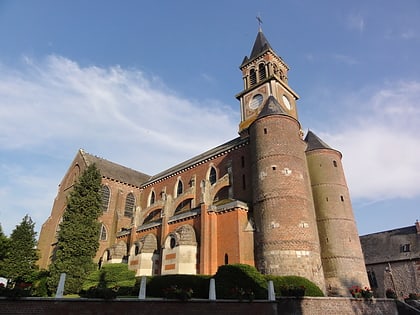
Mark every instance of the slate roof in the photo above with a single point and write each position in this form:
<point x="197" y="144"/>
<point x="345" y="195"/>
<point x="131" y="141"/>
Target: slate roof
<point x="261" y="45"/>
<point x="271" y="107"/>
<point x="315" y="143"/>
<point x="228" y="146"/>
<point x="115" y="171"/>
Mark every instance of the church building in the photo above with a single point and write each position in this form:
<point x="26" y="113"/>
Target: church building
<point x="272" y="198"/>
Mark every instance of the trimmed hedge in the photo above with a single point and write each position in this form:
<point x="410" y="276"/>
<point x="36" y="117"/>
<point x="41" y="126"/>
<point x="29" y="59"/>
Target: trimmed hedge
<point x="116" y="277"/>
<point x="293" y="283"/>
<point x="158" y="285"/>
<point x="238" y="281"/>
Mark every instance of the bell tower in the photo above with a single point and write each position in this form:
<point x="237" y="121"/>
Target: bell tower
<point x="286" y="238"/>
<point x="264" y="74"/>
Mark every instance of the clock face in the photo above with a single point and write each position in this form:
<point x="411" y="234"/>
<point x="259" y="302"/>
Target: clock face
<point x="286" y="102"/>
<point x="256" y="101"/>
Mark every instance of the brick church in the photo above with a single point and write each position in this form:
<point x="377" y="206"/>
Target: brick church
<point x="273" y="198"/>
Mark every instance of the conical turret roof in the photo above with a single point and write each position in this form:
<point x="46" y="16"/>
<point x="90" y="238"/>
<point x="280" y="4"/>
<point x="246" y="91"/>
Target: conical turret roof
<point x="271" y="107"/>
<point x="315" y="143"/>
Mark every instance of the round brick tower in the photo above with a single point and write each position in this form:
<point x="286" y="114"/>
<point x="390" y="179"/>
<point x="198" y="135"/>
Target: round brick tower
<point x="342" y="256"/>
<point x="286" y="237"/>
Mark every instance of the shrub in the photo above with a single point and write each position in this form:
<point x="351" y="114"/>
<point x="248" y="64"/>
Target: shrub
<point x="390" y="294"/>
<point x="110" y="276"/>
<point x="294" y="286"/>
<point x="239" y="281"/>
<point x="161" y="286"/>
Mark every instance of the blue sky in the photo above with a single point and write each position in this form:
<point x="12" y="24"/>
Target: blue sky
<point x="150" y="84"/>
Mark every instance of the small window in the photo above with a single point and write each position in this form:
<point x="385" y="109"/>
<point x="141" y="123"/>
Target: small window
<point x="179" y="188"/>
<point x="261" y="71"/>
<point x="405" y="248"/>
<point x="152" y="198"/>
<point x="242" y="161"/>
<point x="212" y="175"/>
<point x="105" y="197"/>
<point x="372" y="279"/>
<point x="137" y="249"/>
<point x="226" y="259"/>
<point x="342" y="198"/>
<point x="252" y="77"/>
<point x="129" y="205"/>
<point x="265" y="131"/>
<point x="335" y="163"/>
<point x="103" y="235"/>
<point x="172" y="242"/>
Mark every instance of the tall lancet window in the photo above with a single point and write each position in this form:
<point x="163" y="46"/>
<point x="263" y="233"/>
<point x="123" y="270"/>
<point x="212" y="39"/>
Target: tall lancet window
<point x="261" y="71"/>
<point x="129" y="205"/>
<point x="252" y="77"/>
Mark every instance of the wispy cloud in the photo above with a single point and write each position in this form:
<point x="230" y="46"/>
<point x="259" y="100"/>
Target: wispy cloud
<point x="356" y="22"/>
<point x="346" y="59"/>
<point x="380" y="144"/>
<point x="50" y="108"/>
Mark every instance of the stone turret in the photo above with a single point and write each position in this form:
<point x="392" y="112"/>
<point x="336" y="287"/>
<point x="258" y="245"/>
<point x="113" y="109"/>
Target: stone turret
<point x="341" y="252"/>
<point x="286" y="237"/>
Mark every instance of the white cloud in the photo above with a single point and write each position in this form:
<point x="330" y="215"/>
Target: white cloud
<point x="58" y="101"/>
<point x="356" y="22"/>
<point x="380" y="143"/>
<point x="50" y="108"/>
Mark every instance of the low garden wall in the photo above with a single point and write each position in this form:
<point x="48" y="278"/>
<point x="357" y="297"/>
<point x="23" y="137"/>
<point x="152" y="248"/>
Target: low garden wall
<point x="282" y="306"/>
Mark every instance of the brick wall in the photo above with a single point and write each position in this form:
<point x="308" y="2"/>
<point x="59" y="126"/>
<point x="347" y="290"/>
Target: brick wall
<point x="284" y="306"/>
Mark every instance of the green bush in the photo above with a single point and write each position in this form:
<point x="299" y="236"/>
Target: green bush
<point x="290" y="286"/>
<point x="40" y="285"/>
<point x="159" y="286"/>
<point x="111" y="276"/>
<point x="239" y="281"/>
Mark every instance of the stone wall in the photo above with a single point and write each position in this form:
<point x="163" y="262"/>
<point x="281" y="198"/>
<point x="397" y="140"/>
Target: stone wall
<point x="283" y="306"/>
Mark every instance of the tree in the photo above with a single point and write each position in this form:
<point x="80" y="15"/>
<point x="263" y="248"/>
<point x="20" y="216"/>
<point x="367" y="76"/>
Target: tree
<point x="4" y="248"/>
<point x="19" y="263"/>
<point x="78" y="237"/>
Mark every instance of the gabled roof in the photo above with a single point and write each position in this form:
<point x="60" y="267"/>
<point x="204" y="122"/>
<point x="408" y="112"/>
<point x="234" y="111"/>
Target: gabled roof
<point x="115" y="171"/>
<point x="315" y="143"/>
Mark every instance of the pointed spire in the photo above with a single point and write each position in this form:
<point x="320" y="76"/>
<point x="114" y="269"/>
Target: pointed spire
<point x="261" y="44"/>
<point x="314" y="142"/>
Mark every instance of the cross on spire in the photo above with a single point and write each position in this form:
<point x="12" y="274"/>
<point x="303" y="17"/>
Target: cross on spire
<point x="260" y="22"/>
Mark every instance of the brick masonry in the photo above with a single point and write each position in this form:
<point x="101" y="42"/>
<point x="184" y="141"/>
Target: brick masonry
<point x="284" y="306"/>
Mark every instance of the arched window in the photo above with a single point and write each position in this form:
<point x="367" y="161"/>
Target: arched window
<point x="226" y="259"/>
<point x="152" y="198"/>
<point x="153" y="216"/>
<point x="212" y="175"/>
<point x="129" y="205"/>
<point x="261" y="71"/>
<point x="179" y="188"/>
<point x="252" y="77"/>
<point x="103" y="236"/>
<point x="105" y="197"/>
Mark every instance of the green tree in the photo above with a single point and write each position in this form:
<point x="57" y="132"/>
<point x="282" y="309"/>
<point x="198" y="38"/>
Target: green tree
<point x="78" y="238"/>
<point x="21" y="257"/>
<point x="4" y="248"/>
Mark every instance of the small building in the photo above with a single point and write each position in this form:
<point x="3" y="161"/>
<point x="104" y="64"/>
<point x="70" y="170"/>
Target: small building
<point x="393" y="260"/>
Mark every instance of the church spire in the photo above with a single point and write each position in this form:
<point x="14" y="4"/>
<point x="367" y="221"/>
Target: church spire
<point x="264" y="75"/>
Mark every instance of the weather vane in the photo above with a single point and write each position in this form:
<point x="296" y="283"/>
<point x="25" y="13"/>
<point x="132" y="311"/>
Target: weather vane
<point x="260" y="22"/>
